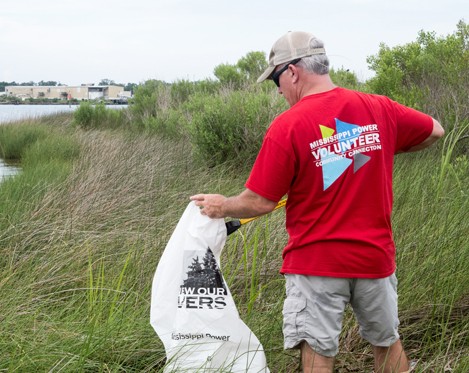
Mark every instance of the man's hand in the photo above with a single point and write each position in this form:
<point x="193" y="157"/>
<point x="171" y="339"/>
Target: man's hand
<point x="210" y="204"/>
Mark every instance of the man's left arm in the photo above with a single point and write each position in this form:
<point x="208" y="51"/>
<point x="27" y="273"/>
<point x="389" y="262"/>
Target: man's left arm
<point x="245" y="205"/>
<point x="436" y="133"/>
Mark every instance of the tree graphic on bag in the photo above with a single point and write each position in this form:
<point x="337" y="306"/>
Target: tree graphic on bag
<point x="204" y="286"/>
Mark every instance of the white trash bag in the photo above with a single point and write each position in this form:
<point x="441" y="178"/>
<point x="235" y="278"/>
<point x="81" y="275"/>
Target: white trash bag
<point x="192" y="309"/>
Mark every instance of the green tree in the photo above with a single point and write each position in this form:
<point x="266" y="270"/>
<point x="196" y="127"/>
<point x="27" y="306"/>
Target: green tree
<point x="430" y="74"/>
<point x="48" y="83"/>
<point x="252" y="65"/>
<point x="130" y="87"/>
<point x="247" y="69"/>
<point x="107" y="82"/>
<point x="229" y="74"/>
<point x="6" y="84"/>
<point x="345" y="78"/>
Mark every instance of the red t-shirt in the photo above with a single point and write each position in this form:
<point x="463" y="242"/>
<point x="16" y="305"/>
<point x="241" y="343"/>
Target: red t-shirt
<point x="332" y="153"/>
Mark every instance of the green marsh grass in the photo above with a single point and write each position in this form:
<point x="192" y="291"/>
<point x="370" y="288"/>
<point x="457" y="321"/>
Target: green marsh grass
<point x="82" y="232"/>
<point x="89" y="115"/>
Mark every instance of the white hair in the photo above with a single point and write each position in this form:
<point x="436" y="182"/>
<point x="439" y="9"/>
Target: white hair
<point x="318" y="63"/>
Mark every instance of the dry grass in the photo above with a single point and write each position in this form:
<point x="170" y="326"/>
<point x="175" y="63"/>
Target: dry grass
<point x="77" y="267"/>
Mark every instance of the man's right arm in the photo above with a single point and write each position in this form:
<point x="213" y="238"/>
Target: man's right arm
<point x="245" y="205"/>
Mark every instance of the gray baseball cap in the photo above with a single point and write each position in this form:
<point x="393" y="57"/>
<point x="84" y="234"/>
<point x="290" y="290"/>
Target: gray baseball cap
<point x="292" y="45"/>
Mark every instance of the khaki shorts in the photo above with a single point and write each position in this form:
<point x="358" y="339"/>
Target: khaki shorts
<point x="314" y="308"/>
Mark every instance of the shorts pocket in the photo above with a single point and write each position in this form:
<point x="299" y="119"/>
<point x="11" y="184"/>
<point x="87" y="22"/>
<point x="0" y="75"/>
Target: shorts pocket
<point x="294" y="317"/>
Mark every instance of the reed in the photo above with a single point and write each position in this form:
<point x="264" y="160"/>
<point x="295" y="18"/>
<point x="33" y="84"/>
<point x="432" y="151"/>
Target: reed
<point x="84" y="224"/>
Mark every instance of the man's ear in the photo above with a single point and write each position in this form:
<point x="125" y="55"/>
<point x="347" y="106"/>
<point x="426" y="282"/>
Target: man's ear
<point x="293" y="70"/>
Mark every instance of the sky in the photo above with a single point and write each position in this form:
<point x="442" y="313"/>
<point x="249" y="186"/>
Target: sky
<point x="130" y="41"/>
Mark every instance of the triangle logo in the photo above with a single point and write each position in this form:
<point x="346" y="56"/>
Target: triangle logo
<point x="333" y="166"/>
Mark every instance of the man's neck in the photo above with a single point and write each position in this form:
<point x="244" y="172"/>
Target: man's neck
<point x="317" y="84"/>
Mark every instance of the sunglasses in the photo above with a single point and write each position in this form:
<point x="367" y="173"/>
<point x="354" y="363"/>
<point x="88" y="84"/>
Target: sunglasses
<point x="276" y="75"/>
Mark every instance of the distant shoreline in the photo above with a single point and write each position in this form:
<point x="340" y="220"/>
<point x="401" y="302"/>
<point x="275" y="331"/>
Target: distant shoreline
<point x="76" y="103"/>
<point x="39" y="103"/>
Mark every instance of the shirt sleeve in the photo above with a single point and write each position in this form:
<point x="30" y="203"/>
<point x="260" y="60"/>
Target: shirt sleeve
<point x="413" y="127"/>
<point x="273" y="170"/>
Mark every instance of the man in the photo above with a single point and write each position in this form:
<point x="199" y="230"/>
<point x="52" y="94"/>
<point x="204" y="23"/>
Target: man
<point x="332" y="153"/>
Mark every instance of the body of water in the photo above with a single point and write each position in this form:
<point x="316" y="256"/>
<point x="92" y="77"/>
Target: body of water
<point x="7" y="170"/>
<point x="13" y="113"/>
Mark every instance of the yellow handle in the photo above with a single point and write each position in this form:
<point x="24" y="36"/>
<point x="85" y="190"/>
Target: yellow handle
<point x="282" y="203"/>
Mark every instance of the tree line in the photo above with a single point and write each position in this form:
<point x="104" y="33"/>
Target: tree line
<point x="53" y="83"/>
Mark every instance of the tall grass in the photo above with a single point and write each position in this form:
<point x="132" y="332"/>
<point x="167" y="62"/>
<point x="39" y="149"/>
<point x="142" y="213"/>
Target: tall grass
<point x="16" y="138"/>
<point x="432" y="229"/>
<point x="99" y="116"/>
<point x="78" y="261"/>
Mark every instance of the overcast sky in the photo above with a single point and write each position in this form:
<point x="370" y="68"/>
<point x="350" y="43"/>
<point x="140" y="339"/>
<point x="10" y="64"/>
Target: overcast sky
<point x="84" y="41"/>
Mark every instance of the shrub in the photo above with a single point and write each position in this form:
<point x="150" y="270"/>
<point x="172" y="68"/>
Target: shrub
<point x="160" y="107"/>
<point x="170" y="123"/>
<point x="345" y="78"/>
<point x="98" y="116"/>
<point x="181" y="90"/>
<point x="230" y="126"/>
<point x="83" y="116"/>
<point x="430" y="74"/>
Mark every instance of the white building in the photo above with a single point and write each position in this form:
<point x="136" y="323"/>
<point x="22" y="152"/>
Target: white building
<point x="83" y="92"/>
